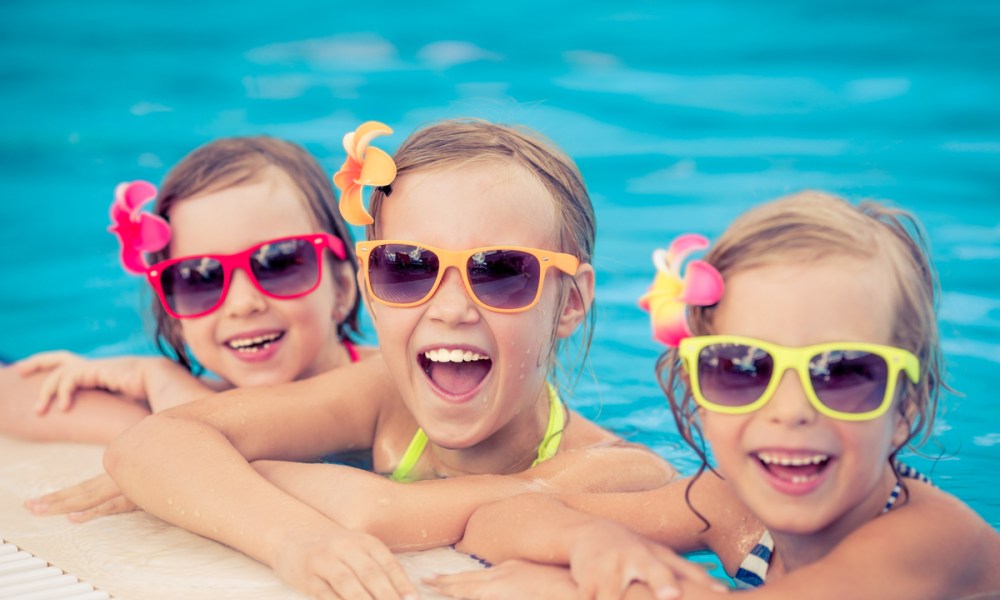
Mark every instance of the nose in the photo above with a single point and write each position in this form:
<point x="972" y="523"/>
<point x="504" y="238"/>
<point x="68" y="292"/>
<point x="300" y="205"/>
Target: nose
<point x="789" y="404"/>
<point x="243" y="298"/>
<point x="451" y="303"/>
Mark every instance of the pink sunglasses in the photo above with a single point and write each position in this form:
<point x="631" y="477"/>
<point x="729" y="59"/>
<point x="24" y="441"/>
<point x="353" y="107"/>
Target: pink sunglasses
<point x="285" y="268"/>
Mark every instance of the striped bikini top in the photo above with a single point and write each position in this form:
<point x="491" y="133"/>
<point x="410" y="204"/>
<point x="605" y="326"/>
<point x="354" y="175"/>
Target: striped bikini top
<point x="546" y="450"/>
<point x="753" y="569"/>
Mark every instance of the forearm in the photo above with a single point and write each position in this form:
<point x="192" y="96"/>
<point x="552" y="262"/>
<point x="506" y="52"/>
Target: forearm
<point x="188" y="474"/>
<point x="405" y="516"/>
<point x="168" y="384"/>
<point x="535" y="527"/>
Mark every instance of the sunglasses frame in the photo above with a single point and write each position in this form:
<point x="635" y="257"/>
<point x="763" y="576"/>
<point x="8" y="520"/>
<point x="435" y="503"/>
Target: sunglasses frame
<point x="567" y="263"/>
<point x="797" y="359"/>
<point x="241" y="260"/>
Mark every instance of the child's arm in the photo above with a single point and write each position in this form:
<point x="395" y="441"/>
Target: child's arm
<point x="389" y="510"/>
<point x="156" y="382"/>
<point x="98" y="418"/>
<point x="205" y="484"/>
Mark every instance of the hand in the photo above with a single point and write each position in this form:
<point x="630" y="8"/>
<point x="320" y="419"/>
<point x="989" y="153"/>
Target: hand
<point x="68" y="372"/>
<point x="515" y="579"/>
<point x="95" y="497"/>
<point x="608" y="558"/>
<point x="340" y="563"/>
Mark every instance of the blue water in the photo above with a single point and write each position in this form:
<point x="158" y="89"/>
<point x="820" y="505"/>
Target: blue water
<point x="680" y="115"/>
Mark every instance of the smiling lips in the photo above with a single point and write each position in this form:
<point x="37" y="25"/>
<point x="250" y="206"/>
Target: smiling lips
<point x="247" y="346"/>
<point x="455" y="371"/>
<point x="793" y="469"/>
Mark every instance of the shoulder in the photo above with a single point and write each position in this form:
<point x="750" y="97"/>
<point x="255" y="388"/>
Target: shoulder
<point x="932" y="545"/>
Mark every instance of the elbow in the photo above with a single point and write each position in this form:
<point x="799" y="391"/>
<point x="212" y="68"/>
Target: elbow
<point x="126" y="449"/>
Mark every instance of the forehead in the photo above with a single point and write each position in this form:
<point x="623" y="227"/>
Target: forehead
<point x="233" y="218"/>
<point x="469" y="205"/>
<point x="796" y="304"/>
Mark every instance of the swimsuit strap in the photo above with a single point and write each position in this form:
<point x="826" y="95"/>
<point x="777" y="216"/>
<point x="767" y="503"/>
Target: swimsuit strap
<point x="753" y="569"/>
<point x="554" y="430"/>
<point x="909" y="472"/>
<point x="546" y="450"/>
<point x="352" y="352"/>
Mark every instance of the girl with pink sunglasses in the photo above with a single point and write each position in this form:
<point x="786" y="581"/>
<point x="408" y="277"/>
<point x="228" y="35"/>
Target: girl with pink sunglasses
<point x="476" y="269"/>
<point x="255" y="281"/>
<point x="807" y="377"/>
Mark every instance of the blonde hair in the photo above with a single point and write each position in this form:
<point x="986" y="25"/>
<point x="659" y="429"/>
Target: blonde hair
<point x="463" y="141"/>
<point x="811" y="226"/>
<point x="230" y="162"/>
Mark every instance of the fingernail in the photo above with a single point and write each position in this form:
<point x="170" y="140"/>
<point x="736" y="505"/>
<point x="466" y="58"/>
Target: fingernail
<point x="38" y="507"/>
<point x="666" y="593"/>
<point x="720" y="587"/>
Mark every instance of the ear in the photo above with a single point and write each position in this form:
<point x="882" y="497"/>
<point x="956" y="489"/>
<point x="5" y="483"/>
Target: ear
<point x="903" y="418"/>
<point x="579" y="297"/>
<point x="347" y="291"/>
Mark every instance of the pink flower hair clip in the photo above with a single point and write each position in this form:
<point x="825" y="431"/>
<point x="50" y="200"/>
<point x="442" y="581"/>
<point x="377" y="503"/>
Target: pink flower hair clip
<point x="671" y="292"/>
<point x="364" y="166"/>
<point x="138" y="232"/>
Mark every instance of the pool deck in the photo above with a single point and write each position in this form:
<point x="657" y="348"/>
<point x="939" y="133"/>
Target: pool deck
<point x="136" y="555"/>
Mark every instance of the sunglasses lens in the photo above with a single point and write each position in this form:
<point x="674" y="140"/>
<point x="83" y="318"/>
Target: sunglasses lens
<point x="733" y="374"/>
<point x="504" y="279"/>
<point x="402" y="273"/>
<point x="849" y="381"/>
<point x="286" y="268"/>
<point x="193" y="286"/>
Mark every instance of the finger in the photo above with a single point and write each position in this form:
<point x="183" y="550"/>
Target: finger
<point x="663" y="583"/>
<point x="344" y="582"/>
<point x="84" y="495"/>
<point x="43" y="361"/>
<point x="380" y="573"/>
<point x="685" y="569"/>
<point x="64" y="393"/>
<point x="119" y="504"/>
<point x="46" y="393"/>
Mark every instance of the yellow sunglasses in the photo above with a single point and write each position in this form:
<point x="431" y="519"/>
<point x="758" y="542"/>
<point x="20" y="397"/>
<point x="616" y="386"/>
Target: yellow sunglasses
<point x="851" y="381"/>
<point x="505" y="279"/>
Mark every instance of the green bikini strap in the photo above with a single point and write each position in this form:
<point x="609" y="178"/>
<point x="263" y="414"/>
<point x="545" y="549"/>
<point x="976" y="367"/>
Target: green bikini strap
<point x="546" y="450"/>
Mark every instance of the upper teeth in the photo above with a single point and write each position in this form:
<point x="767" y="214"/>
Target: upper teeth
<point x="260" y="339"/>
<point x="793" y="461"/>
<point x="442" y="355"/>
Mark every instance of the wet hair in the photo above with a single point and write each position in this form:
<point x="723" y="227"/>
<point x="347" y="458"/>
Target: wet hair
<point x="231" y="162"/>
<point x="811" y="226"/>
<point x="456" y="142"/>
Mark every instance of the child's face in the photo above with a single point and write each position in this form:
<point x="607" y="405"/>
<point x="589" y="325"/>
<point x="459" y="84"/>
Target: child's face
<point x="838" y="299"/>
<point x="278" y="340"/>
<point x="458" y="208"/>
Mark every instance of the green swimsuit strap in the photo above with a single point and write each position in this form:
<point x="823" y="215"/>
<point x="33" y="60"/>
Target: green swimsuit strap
<point x="546" y="450"/>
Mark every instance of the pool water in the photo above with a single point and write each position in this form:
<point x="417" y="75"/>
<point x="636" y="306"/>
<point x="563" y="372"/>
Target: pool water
<point x="680" y="116"/>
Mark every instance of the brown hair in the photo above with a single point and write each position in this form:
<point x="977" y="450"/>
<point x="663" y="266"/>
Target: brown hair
<point x="810" y="226"/>
<point x="462" y="141"/>
<point x="230" y="162"/>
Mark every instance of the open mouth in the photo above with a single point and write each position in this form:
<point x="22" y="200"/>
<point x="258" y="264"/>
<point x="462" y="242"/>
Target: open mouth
<point x="455" y="371"/>
<point x="257" y="343"/>
<point x="794" y="468"/>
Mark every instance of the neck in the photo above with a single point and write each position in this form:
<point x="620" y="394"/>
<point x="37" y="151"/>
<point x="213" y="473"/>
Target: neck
<point x="794" y="550"/>
<point x="510" y="449"/>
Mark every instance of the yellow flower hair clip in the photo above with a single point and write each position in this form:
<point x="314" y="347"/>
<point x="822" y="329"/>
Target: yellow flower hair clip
<point x="364" y="166"/>
<point x="671" y="292"/>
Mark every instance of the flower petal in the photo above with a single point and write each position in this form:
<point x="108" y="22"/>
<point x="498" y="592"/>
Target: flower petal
<point x="352" y="209"/>
<point x="703" y="284"/>
<point x="378" y="168"/>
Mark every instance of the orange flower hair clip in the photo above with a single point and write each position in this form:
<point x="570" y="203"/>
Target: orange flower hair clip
<point x="364" y="166"/>
<point x="671" y="292"/>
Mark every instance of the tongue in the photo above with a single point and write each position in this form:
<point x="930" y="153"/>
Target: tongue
<point x="458" y="378"/>
<point x="786" y="472"/>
